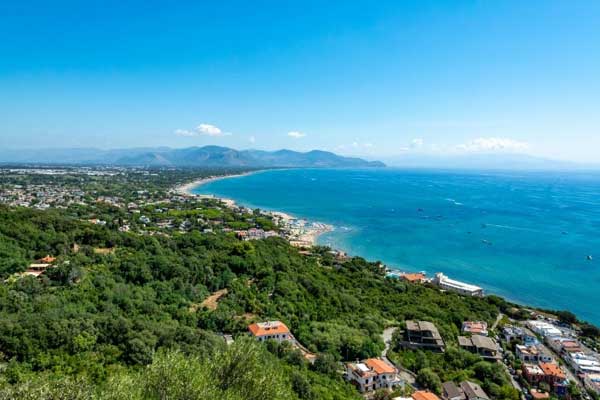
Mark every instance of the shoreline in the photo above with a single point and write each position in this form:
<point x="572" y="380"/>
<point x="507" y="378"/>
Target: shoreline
<point x="299" y="232"/>
<point x="186" y="188"/>
<point x="310" y="237"/>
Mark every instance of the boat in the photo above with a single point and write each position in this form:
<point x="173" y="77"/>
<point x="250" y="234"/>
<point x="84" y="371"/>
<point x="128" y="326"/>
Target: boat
<point x="590" y="258"/>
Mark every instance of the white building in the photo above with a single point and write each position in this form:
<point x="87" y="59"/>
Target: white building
<point x="584" y="363"/>
<point x="373" y="374"/>
<point x="544" y="328"/>
<point x="275" y="330"/>
<point x="443" y="282"/>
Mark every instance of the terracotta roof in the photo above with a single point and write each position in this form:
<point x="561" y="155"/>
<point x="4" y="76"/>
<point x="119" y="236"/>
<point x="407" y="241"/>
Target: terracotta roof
<point x="268" y="328"/>
<point x="424" y="395"/>
<point x="48" y="259"/>
<point x="380" y="366"/>
<point x="552" y="370"/>
<point x="413" y="277"/>
<point x="474" y="326"/>
<point x="539" y="395"/>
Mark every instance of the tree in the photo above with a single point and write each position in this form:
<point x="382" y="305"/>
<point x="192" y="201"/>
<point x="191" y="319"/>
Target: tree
<point x="428" y="379"/>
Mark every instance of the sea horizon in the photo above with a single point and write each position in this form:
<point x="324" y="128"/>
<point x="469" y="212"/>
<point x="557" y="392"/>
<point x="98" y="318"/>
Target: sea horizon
<point x="431" y="220"/>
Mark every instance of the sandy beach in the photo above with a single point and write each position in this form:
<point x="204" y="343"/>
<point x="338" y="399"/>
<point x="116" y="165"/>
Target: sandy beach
<point x="299" y="231"/>
<point x="186" y="189"/>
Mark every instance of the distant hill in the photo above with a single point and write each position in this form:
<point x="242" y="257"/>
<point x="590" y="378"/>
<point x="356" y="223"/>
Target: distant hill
<point x="207" y="156"/>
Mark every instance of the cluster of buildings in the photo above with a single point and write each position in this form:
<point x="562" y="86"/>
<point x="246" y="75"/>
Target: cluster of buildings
<point x="41" y="197"/>
<point x="18" y="193"/>
<point x="255" y="234"/>
<point x="584" y="362"/>
<point x="539" y="363"/>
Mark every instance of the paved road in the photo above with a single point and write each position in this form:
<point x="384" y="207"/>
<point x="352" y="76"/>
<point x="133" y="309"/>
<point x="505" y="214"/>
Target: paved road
<point x="387" y="339"/>
<point x="405" y="374"/>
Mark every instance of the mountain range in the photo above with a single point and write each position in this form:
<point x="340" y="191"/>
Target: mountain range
<point x="207" y="156"/>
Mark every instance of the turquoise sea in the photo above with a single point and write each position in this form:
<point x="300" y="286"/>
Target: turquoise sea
<point x="522" y="235"/>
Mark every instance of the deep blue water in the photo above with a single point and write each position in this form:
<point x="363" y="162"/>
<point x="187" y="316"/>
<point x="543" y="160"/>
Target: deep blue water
<point x="525" y="236"/>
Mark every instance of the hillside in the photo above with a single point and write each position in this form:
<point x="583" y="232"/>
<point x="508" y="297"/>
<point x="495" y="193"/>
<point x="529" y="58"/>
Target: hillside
<point x="207" y="156"/>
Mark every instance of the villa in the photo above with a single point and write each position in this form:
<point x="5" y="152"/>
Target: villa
<point x="275" y="330"/>
<point x="414" y="278"/>
<point x="466" y="289"/>
<point x="475" y="328"/>
<point x="373" y="374"/>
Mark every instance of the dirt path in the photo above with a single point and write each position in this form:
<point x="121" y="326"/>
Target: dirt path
<point x="211" y="302"/>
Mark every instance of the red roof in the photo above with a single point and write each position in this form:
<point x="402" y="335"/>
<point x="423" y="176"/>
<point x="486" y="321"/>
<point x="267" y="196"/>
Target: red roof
<point x="413" y="277"/>
<point x="552" y="370"/>
<point x="48" y="259"/>
<point x="424" y="395"/>
<point x="537" y="395"/>
<point x="380" y="366"/>
<point x="268" y="328"/>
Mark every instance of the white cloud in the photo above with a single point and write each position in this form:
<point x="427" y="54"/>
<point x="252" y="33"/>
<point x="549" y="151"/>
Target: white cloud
<point x="296" y="134"/>
<point x="252" y="139"/>
<point x="184" y="132"/>
<point x="210" y="130"/>
<point x="416" y="143"/>
<point x="493" y="144"/>
<point x="202" y="130"/>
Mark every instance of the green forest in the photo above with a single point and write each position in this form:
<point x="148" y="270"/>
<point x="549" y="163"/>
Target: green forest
<point x="128" y="323"/>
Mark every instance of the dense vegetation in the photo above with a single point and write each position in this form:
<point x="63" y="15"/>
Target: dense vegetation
<point x="128" y="323"/>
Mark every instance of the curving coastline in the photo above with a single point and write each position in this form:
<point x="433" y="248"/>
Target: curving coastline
<point x="186" y="188"/>
<point x="491" y="266"/>
<point x="298" y="231"/>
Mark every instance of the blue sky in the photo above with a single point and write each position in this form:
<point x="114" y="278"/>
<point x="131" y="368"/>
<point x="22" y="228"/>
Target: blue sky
<point x="373" y="78"/>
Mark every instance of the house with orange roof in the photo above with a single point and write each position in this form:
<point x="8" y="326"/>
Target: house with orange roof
<point x="275" y="330"/>
<point x="424" y="395"/>
<point x="47" y="260"/>
<point x="414" y="278"/>
<point x="475" y="327"/>
<point x="373" y="374"/>
<point x="555" y="377"/>
<point x="550" y="373"/>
